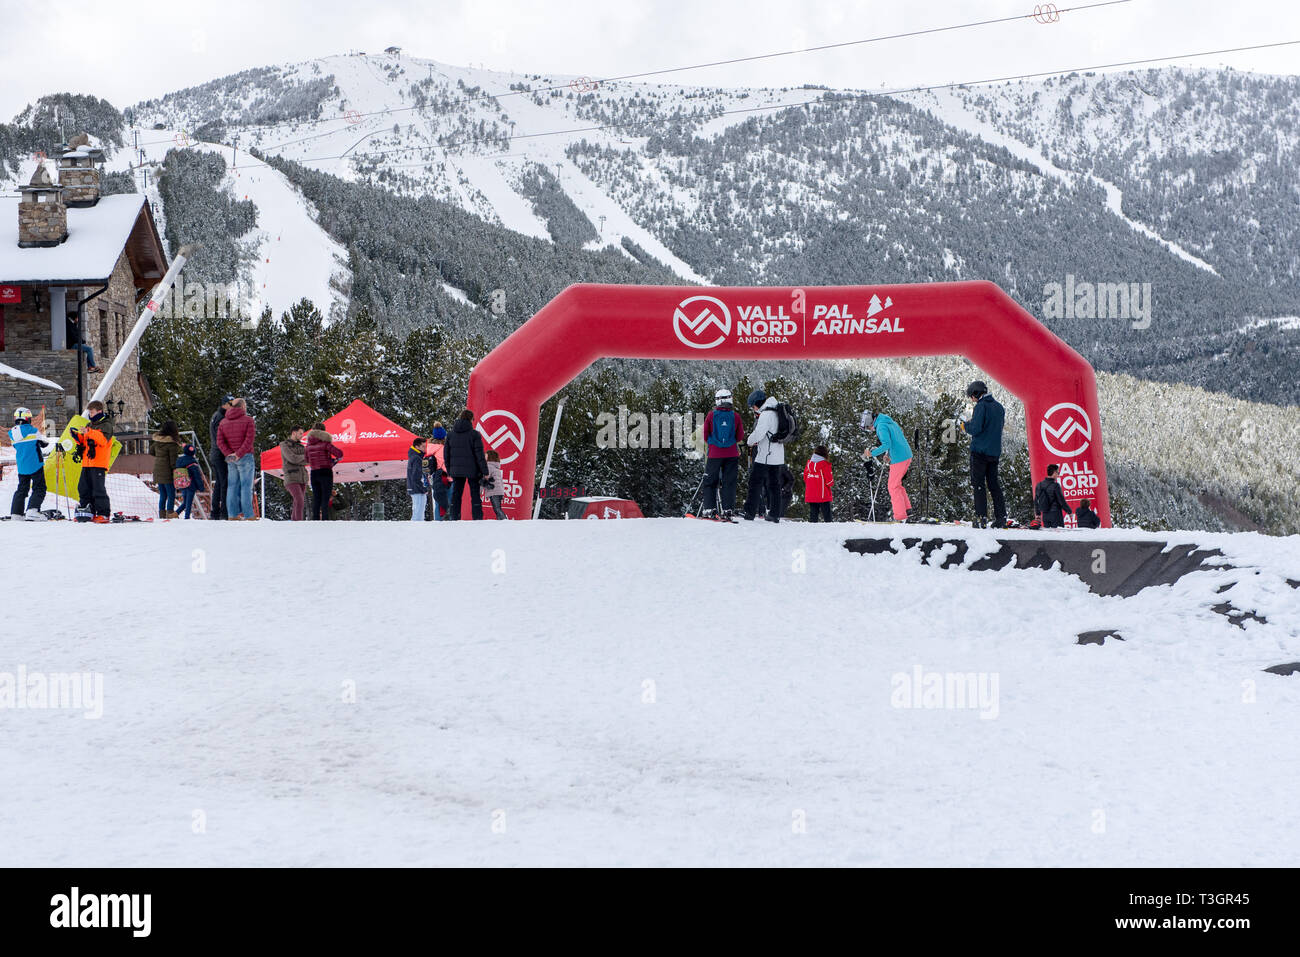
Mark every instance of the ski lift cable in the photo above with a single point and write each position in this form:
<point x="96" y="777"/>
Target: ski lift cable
<point x="829" y="99"/>
<point x="820" y="48"/>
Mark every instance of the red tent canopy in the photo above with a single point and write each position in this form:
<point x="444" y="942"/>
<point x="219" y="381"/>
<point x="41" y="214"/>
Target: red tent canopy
<point x="373" y="447"/>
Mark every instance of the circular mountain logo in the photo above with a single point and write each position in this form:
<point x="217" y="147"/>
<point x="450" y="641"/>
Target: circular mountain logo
<point x="1066" y="430"/>
<point x="702" y="322"/>
<point x="502" y="431"/>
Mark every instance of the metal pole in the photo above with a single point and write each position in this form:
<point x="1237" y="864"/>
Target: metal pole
<point x="263" y="503"/>
<point x="550" y="449"/>
<point x="141" y="324"/>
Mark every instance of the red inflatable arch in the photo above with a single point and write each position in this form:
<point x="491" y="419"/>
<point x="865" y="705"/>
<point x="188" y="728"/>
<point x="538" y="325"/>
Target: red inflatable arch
<point x="972" y="319"/>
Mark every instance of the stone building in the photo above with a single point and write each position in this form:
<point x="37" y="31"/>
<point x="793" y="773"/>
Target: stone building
<point x="74" y="266"/>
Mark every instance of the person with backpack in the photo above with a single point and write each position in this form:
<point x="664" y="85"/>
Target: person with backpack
<point x="417" y="482"/>
<point x="771" y="430"/>
<point x="219" y="473"/>
<point x="166" y="450"/>
<point x="322" y="453"/>
<point x="1085" y="516"/>
<point x="235" y="438"/>
<point x="495" y="484"/>
<point x="439" y="480"/>
<point x="723" y="433"/>
<point x="27" y="441"/>
<point x="94" y="451"/>
<point x="466" y="464"/>
<point x="985" y="430"/>
<point x="188" y="478"/>
<point x="1049" y="500"/>
<point x="894" y="444"/>
<point x="818" y="481"/>
<point x="293" y="462"/>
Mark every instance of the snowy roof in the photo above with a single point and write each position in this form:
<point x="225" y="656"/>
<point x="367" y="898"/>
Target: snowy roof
<point x="13" y="373"/>
<point x="96" y="237"/>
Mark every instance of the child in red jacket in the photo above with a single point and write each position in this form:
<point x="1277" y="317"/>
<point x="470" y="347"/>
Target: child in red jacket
<point x="817" y="482"/>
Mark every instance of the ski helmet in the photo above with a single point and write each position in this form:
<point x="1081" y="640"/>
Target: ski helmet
<point x="757" y="397"/>
<point x="867" y="421"/>
<point x="976" y="389"/>
<point x="722" y="397"/>
<point x="22" y="414"/>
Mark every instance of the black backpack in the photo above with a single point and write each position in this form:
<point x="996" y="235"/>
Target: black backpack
<point x="1042" y="498"/>
<point x="787" y="424"/>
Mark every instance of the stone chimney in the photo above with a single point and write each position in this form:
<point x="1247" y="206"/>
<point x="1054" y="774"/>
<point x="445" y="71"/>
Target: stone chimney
<point x="42" y="217"/>
<point x="79" y="173"/>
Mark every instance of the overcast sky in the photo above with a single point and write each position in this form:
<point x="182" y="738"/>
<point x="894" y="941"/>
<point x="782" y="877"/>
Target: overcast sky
<point x="126" y="54"/>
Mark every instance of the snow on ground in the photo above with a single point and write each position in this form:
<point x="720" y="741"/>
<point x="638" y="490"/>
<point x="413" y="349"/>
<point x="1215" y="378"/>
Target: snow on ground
<point x="647" y="692"/>
<point x="1281" y="322"/>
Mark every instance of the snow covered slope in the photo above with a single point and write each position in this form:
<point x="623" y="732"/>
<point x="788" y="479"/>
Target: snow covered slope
<point x="421" y="127"/>
<point x="950" y="107"/>
<point x="567" y="693"/>
<point x="295" y="258"/>
<point x="435" y="129"/>
<point x="292" y="256"/>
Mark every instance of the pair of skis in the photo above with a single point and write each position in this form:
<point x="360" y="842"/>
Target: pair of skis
<point x="716" y="517"/>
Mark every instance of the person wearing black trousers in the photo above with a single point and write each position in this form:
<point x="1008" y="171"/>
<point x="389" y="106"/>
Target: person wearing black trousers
<point x="985" y="431"/>
<point x="465" y="462"/>
<point x="218" y="461"/>
<point x="322" y="454"/>
<point x="1049" y="500"/>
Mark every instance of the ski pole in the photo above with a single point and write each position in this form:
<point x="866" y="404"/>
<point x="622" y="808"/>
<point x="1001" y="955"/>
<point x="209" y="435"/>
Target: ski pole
<point x="691" y="501"/>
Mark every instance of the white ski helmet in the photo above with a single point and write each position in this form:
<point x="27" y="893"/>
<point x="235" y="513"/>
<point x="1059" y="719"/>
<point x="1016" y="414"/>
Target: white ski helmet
<point x="722" y="397"/>
<point x="22" y="414"/>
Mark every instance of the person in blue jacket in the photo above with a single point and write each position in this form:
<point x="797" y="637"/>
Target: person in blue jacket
<point x="27" y="443"/>
<point x="417" y="482"/>
<point x="985" y="431"/>
<point x="894" y="444"/>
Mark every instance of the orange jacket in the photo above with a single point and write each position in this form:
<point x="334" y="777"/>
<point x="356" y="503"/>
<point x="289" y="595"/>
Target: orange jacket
<point x="100" y="457"/>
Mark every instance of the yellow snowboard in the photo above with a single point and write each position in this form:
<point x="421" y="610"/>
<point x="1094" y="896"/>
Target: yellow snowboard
<point x="61" y="473"/>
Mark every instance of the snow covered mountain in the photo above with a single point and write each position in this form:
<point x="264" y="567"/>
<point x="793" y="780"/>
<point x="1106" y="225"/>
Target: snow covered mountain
<point x="429" y="193"/>
<point x="1181" y="179"/>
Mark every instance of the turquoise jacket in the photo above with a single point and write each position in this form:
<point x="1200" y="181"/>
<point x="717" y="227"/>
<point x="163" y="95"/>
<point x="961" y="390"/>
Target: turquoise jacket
<point x="891" y="441"/>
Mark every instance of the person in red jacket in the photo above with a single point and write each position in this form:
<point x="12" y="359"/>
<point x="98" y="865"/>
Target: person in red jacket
<point x="322" y="453"/>
<point x="817" y="483"/>
<point x="235" y="438"/>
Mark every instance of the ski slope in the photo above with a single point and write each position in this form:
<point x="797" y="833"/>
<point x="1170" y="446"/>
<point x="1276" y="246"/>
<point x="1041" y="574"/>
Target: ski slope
<point x="947" y="106"/>
<point x="639" y="693"/>
<point x="292" y="257"/>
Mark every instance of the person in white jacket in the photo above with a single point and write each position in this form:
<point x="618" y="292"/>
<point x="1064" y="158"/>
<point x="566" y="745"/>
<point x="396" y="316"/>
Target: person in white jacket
<point x="495" y="484"/>
<point x="769" y="456"/>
